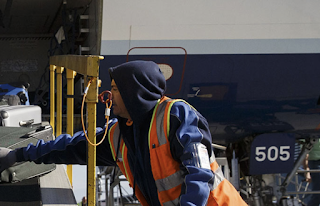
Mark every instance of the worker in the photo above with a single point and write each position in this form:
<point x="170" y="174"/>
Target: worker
<point x="162" y="145"/>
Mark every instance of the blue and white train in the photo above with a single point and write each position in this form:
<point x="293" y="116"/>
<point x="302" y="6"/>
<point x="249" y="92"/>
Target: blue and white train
<point x="252" y="68"/>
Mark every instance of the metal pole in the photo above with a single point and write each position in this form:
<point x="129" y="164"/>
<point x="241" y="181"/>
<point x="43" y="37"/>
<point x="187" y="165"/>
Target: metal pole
<point x="305" y="150"/>
<point x="87" y="66"/>
<point x="52" y="97"/>
<point x="59" y="100"/>
<point x="70" y="111"/>
<point x="106" y="188"/>
<point x="92" y="99"/>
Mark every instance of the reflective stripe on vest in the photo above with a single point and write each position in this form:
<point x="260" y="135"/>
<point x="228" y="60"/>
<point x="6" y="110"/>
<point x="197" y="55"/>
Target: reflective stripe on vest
<point x="113" y="136"/>
<point x="121" y="159"/>
<point x="157" y="124"/>
<point x="219" y="177"/>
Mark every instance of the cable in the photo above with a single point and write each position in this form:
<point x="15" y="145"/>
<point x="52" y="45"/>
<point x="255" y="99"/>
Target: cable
<point x="107" y="113"/>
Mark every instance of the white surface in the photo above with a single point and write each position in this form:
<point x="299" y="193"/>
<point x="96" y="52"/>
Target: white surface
<point x="79" y="181"/>
<point x="210" y="19"/>
<point x="212" y="26"/>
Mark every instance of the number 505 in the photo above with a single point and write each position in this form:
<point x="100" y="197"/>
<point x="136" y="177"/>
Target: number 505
<point x="272" y="153"/>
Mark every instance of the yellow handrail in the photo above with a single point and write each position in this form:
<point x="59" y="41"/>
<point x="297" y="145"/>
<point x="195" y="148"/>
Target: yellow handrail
<point x="59" y="71"/>
<point x="52" y="102"/>
<point x="70" y="111"/>
<point x="89" y="67"/>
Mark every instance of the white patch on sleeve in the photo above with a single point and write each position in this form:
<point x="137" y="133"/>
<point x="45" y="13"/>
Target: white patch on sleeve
<point x="203" y="156"/>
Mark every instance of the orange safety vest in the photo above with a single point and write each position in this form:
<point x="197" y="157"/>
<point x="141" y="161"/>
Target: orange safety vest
<point x="169" y="178"/>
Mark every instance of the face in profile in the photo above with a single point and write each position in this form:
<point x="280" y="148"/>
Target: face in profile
<point x="118" y="106"/>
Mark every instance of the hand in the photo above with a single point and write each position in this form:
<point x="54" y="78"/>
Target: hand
<point x="307" y="176"/>
<point x="7" y="158"/>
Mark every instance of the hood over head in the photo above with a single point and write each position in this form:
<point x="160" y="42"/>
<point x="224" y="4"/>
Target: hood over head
<point x="141" y="84"/>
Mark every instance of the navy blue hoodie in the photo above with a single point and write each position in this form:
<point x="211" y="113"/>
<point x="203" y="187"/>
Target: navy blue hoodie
<point x="141" y="84"/>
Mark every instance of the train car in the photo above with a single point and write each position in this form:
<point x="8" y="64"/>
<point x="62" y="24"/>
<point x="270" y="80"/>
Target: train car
<point x="250" y="67"/>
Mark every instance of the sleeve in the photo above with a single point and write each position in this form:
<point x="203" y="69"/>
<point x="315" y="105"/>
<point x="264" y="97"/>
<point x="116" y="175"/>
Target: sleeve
<point x="67" y="150"/>
<point x="188" y="128"/>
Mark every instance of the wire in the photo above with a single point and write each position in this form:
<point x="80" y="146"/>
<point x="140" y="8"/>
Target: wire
<point x="108" y="107"/>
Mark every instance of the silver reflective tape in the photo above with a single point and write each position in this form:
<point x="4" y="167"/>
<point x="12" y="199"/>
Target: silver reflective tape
<point x="171" y="203"/>
<point x="218" y="177"/>
<point x="159" y="121"/>
<point x="170" y="182"/>
<point x="116" y="136"/>
<point x="212" y="158"/>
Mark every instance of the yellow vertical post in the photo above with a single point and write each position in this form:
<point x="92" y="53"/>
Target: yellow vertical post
<point x="70" y="111"/>
<point x="52" y="98"/>
<point x="59" y="100"/>
<point x="87" y="66"/>
<point x="92" y="99"/>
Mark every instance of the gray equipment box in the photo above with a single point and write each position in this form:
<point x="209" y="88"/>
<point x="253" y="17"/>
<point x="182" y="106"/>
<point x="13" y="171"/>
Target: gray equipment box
<point x="16" y="137"/>
<point x="20" y="115"/>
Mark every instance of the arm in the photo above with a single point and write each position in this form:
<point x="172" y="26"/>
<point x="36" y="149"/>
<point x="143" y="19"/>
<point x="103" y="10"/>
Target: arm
<point x="189" y="128"/>
<point x="66" y="150"/>
<point x="306" y="167"/>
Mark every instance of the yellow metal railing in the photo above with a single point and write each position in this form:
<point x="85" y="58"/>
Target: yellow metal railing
<point x="89" y="67"/>
<point x="70" y="111"/>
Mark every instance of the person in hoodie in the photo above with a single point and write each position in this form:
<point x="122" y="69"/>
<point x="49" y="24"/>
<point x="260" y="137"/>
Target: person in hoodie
<point x="162" y="145"/>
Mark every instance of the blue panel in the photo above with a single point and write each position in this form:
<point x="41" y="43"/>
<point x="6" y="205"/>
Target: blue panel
<point x="241" y="94"/>
<point x="272" y="153"/>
